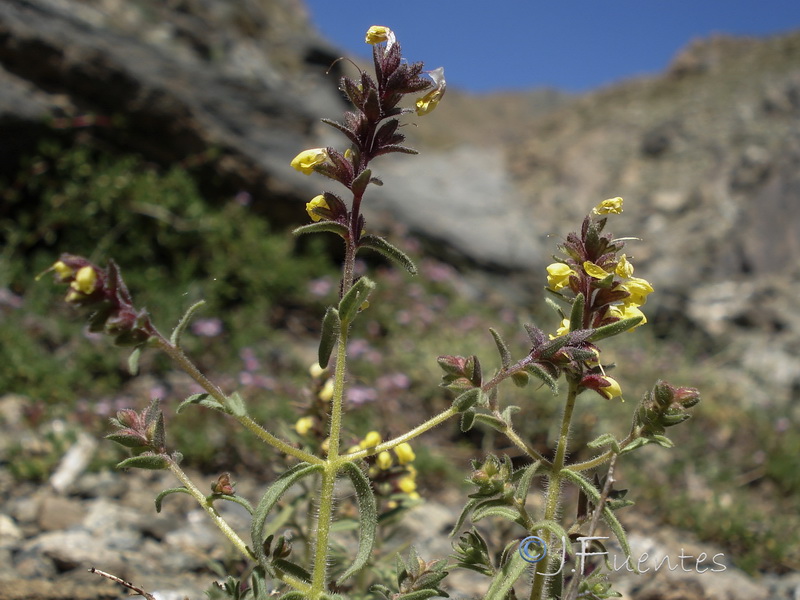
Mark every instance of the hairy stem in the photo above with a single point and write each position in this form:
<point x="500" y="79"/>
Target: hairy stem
<point x="208" y="506"/>
<point x="177" y="355"/>
<point x="554" y="488"/>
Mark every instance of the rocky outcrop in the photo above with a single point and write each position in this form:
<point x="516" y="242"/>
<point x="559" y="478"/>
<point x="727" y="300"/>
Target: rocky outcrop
<point x="239" y="83"/>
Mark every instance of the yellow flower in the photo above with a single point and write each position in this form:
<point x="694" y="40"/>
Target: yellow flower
<point x="372" y="439"/>
<point x="613" y="390"/>
<point x="384" y="460"/>
<point x="558" y="276"/>
<point x="63" y="270"/>
<point x="308" y="159"/>
<point x="624" y="267"/>
<point x="595" y="271"/>
<point x="562" y="330"/>
<point x="316" y="202"/>
<point x="610" y="206"/>
<point x="378" y="34"/>
<point x="304" y="425"/>
<point x="404" y="453"/>
<point x="627" y="311"/>
<point x="407" y="484"/>
<point x="430" y="100"/>
<point x="85" y="280"/>
<point x="638" y="289"/>
<point x="326" y="393"/>
<point x="315" y="370"/>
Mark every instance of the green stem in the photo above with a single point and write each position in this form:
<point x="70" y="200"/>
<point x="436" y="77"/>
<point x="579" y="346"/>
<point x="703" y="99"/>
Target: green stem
<point x="554" y="487"/>
<point x="208" y="506"/>
<point x="332" y="465"/>
<point x="177" y="355"/>
<point x="409" y="435"/>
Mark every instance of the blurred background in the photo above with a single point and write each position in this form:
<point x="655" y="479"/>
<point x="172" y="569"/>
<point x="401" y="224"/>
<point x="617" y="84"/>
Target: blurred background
<point x="160" y="134"/>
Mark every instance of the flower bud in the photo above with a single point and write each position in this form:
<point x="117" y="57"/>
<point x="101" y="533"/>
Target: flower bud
<point x="384" y="461"/>
<point x="372" y="439"/>
<point x="317" y="203"/>
<point x="405" y="454"/>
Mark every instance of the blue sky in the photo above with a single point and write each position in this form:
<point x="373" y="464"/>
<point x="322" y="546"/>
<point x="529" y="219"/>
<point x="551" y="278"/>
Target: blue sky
<point x="573" y="45"/>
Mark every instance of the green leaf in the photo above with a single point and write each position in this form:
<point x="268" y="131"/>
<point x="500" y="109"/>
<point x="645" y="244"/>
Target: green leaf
<point x="133" y="361"/>
<point x="491" y="421"/>
<point x="160" y="498"/>
<point x="237" y="499"/>
<point x="613" y="329"/>
<point x="576" y="314"/>
<point x="467" y="419"/>
<point x="331" y="326"/>
<point x="320" y="226"/>
<point x="525" y="480"/>
<point x="152" y="462"/>
<point x="467" y="400"/>
<point x="605" y="440"/>
<point x="368" y="512"/>
<point x="551" y="526"/>
<point x="291" y="568"/>
<point x="235" y="404"/>
<point x="269" y="499"/>
<point x="502" y="348"/>
<point x="421" y="595"/>
<point x="471" y="503"/>
<point x="538" y="372"/>
<point x="354" y="298"/>
<point x="610" y="518"/>
<point x="293" y="595"/>
<point x="393" y="253"/>
<point x="175" y="338"/>
<point x="203" y="399"/>
<point x="495" y="508"/>
<point x="506" y="577"/>
<point x="360" y="183"/>
<point x="129" y="441"/>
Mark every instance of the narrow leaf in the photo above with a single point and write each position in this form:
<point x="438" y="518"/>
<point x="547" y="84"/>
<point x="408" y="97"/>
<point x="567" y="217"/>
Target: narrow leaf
<point x="319" y="226"/>
<point x="160" y="498"/>
<point x="471" y="503"/>
<point x="467" y="419"/>
<point x="269" y="499"/>
<point x="491" y="421"/>
<point x="525" y="480"/>
<point x="360" y="183"/>
<point x="368" y="512"/>
<point x="354" y="298"/>
<point x="506" y="577"/>
<point x="291" y="568"/>
<point x="201" y="400"/>
<point x="175" y="338"/>
<point x="614" y="329"/>
<point x="237" y="499"/>
<point x="576" y="314"/>
<point x="606" y="439"/>
<point x="152" y="462"/>
<point x="331" y="326"/>
<point x="502" y="348"/>
<point x="494" y="508"/>
<point x="538" y="372"/>
<point x="393" y="253"/>
<point x="467" y="399"/>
